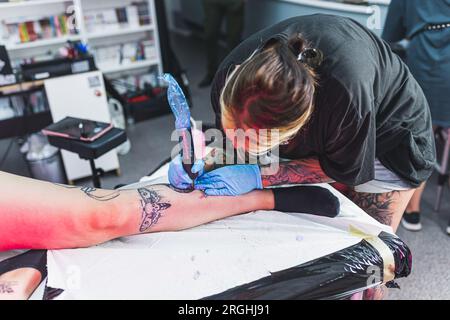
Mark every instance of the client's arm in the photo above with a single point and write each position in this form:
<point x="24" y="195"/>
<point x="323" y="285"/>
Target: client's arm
<point x="41" y="215"/>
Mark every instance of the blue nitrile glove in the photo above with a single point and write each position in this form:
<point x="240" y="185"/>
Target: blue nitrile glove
<point x="178" y="177"/>
<point x="230" y="181"/>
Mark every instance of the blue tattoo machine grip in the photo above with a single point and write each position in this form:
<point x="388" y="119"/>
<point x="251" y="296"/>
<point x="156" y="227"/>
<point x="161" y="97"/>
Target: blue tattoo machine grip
<point x="180" y="108"/>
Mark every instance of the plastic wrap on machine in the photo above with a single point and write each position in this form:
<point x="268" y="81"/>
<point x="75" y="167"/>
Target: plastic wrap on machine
<point x="335" y="276"/>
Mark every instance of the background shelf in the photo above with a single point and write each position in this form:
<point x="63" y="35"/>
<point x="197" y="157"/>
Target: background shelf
<point x="117" y="36"/>
<point x="129" y="66"/>
<point x="119" y="32"/>
<point x="41" y="43"/>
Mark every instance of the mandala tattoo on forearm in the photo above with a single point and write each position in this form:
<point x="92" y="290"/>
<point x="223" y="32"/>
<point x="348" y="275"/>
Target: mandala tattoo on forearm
<point x="377" y="205"/>
<point x="152" y="208"/>
<point x="89" y="191"/>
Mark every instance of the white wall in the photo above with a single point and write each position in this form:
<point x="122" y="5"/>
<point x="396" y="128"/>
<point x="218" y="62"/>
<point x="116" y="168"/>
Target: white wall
<point x="262" y="13"/>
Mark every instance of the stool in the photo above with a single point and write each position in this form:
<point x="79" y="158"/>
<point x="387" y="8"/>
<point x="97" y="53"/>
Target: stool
<point x="91" y="150"/>
<point x="442" y="168"/>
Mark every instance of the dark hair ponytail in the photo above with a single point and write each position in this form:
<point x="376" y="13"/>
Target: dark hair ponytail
<point x="311" y="57"/>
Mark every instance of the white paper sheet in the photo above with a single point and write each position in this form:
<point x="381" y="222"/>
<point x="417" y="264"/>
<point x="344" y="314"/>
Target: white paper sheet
<point x="206" y="260"/>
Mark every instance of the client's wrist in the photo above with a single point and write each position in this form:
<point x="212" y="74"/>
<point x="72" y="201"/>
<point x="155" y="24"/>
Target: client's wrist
<point x="267" y="200"/>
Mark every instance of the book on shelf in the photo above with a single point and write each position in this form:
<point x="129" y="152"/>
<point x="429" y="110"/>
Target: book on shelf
<point x="132" y="16"/>
<point x="57" y="26"/>
<point x="149" y="49"/>
<point x="37" y="28"/>
<point x="130" y="53"/>
<point x="32" y="36"/>
<point x="62" y="23"/>
<point x="111" y="56"/>
<point x="10" y="33"/>
<point x="46" y="29"/>
<point x="110" y="19"/>
<point x="23" y="33"/>
<point x="143" y="13"/>
<point x="32" y="30"/>
<point x="122" y="17"/>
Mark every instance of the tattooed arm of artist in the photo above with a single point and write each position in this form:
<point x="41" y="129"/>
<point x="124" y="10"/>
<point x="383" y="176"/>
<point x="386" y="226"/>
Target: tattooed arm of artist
<point x="41" y="215"/>
<point x="303" y="171"/>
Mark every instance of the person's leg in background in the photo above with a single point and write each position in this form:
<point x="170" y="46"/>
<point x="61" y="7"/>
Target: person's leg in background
<point x="235" y="22"/>
<point x="387" y="208"/>
<point x="214" y="12"/>
<point x="411" y="218"/>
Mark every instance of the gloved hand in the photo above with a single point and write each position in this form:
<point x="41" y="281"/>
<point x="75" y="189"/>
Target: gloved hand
<point x="230" y="181"/>
<point x="178" y="176"/>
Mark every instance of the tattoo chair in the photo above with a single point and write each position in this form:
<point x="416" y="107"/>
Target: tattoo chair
<point x="91" y="150"/>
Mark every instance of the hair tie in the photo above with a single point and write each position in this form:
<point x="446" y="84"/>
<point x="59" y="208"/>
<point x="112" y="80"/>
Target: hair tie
<point x="311" y="57"/>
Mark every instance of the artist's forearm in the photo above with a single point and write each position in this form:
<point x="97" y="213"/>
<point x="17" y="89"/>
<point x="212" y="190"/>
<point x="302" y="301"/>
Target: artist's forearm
<point x="304" y="171"/>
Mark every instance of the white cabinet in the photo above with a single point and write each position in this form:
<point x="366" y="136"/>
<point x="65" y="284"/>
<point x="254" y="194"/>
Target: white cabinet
<point x="81" y="96"/>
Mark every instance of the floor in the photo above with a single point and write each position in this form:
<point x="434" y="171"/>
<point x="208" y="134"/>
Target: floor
<point x="430" y="278"/>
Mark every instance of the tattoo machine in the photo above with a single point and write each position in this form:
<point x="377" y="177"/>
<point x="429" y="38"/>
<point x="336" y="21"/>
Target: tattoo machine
<point x="180" y="108"/>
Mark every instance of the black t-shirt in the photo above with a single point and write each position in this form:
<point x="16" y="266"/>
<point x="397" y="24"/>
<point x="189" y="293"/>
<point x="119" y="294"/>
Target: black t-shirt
<point x="367" y="104"/>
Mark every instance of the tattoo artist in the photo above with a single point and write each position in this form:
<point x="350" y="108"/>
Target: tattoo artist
<point x="347" y="109"/>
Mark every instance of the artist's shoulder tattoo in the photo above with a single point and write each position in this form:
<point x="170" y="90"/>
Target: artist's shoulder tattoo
<point x="93" y="192"/>
<point x="152" y="206"/>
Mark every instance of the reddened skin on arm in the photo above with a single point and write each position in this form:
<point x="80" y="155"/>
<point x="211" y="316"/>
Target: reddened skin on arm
<point x="41" y="215"/>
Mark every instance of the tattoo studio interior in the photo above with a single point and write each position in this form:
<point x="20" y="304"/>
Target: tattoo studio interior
<point x="224" y="149"/>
